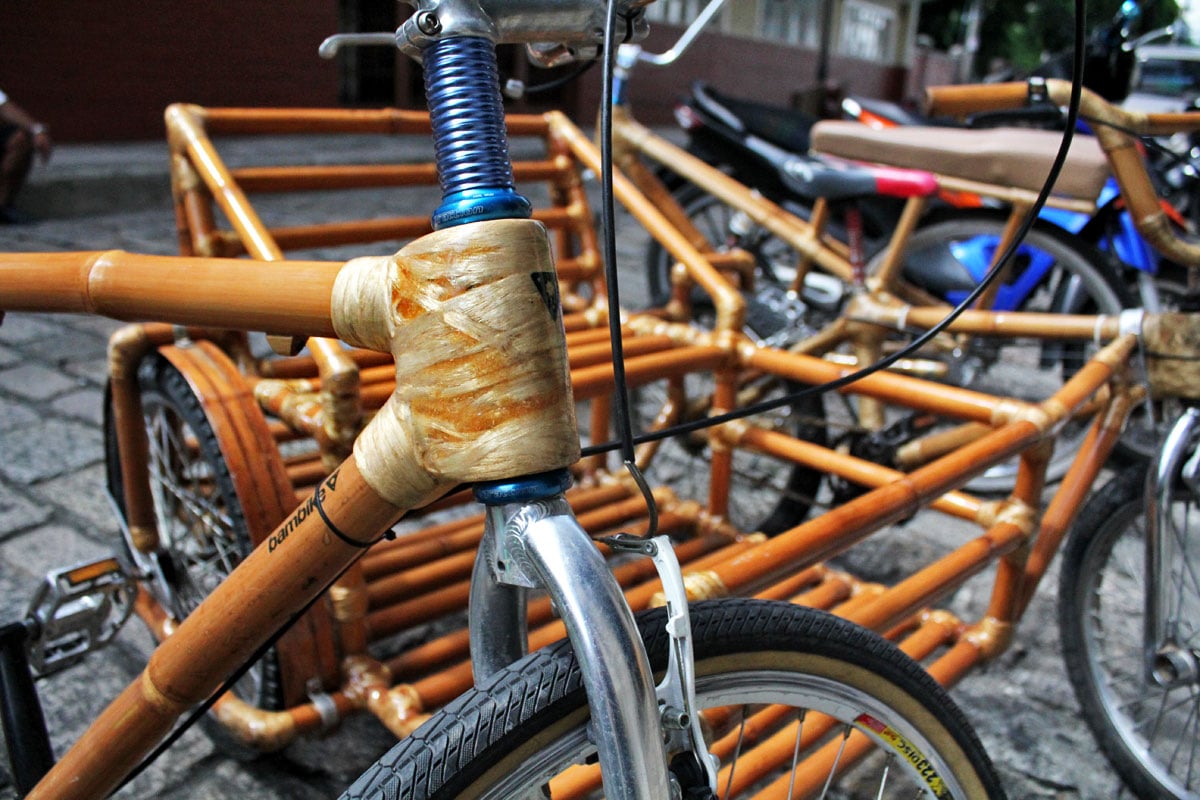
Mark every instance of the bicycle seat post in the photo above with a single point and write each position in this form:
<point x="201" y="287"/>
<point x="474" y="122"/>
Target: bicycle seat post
<point x="531" y="538"/>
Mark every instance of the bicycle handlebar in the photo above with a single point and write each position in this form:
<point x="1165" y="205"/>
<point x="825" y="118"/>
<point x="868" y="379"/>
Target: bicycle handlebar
<point x="685" y="39"/>
<point x="1116" y="130"/>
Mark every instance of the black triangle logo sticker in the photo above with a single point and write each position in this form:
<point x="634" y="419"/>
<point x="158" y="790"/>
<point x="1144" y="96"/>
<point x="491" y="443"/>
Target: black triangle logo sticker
<point x="547" y="286"/>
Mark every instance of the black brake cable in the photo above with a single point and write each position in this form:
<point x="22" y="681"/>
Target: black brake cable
<point x="609" y="243"/>
<point x="912" y="347"/>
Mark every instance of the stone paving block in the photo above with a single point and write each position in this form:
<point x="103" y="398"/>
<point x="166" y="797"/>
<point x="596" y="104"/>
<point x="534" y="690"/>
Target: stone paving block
<point x="37" y="551"/>
<point x="21" y="328"/>
<point x="48" y="449"/>
<point x="86" y="405"/>
<point x="16" y="416"/>
<point x="84" y="494"/>
<point x="100" y="327"/>
<point x="93" y="370"/>
<point x="8" y="357"/>
<point x="35" y="382"/>
<point x="67" y="346"/>
<point x="18" y="512"/>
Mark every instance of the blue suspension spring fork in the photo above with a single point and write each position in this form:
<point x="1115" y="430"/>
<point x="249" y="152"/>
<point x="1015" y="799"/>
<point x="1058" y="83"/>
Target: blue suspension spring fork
<point x="471" y="150"/>
<point x="470" y="144"/>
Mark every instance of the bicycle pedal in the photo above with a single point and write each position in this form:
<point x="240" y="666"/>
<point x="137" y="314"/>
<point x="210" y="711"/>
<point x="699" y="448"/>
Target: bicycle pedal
<point x="77" y="610"/>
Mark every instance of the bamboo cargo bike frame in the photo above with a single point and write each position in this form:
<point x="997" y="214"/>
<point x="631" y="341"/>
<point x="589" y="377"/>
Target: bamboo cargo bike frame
<point x="427" y="440"/>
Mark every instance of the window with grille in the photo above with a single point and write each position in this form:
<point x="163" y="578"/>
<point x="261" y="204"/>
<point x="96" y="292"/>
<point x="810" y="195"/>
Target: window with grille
<point x="867" y="31"/>
<point x="675" y="12"/>
<point x="793" y="21"/>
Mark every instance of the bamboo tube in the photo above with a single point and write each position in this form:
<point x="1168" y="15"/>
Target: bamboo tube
<point x="185" y="133"/>
<point x="997" y="323"/>
<point x="836" y="588"/>
<point x="1072" y="491"/>
<point x="601" y="353"/>
<point x="860" y="471"/>
<point x="720" y="454"/>
<point x="887" y="276"/>
<point x="794" y="583"/>
<point x="926" y="448"/>
<point x="728" y="302"/>
<point x="1011" y="195"/>
<point x="898" y="389"/>
<point x="591" y="335"/>
<point x="332" y="234"/>
<point x="235" y="121"/>
<point x="590" y="381"/>
<point x="127" y="347"/>
<point x="1012" y="225"/>
<point x="263" y="591"/>
<point x="179" y="290"/>
<point x="934" y="581"/>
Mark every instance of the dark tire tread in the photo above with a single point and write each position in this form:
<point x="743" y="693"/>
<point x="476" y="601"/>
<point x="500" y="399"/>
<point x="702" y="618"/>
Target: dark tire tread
<point x="478" y="728"/>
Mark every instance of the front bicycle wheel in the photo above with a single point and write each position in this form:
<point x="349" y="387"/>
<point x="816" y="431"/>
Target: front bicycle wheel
<point x="776" y="682"/>
<point x="1149" y="728"/>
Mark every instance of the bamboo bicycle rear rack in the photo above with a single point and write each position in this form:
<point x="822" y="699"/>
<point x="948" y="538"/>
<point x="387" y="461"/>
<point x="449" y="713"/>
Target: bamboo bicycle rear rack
<point x="333" y="662"/>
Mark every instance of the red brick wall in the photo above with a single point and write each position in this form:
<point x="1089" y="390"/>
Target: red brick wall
<point x="754" y="70"/>
<point x="106" y="70"/>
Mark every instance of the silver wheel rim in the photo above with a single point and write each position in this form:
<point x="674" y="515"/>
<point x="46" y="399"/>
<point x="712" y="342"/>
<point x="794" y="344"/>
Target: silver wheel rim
<point x="882" y="774"/>
<point x="1158" y="727"/>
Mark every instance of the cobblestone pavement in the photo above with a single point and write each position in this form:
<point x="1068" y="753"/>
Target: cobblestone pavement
<point x="54" y="511"/>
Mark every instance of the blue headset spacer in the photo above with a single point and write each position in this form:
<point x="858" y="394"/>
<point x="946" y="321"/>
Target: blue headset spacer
<point x="523" y="490"/>
<point x="476" y="205"/>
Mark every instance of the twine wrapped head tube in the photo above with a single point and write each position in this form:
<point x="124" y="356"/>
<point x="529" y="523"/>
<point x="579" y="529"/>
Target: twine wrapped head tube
<point x="1172" y="342"/>
<point x="472" y="317"/>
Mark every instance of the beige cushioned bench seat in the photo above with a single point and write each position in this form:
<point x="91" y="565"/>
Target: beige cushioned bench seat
<point x="1017" y="157"/>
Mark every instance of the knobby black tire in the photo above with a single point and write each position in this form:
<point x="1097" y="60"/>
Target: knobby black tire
<point x="482" y="741"/>
<point x="205" y="536"/>
<point x="1100" y="616"/>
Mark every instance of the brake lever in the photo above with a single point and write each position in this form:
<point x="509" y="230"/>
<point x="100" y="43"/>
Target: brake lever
<point x="332" y="44"/>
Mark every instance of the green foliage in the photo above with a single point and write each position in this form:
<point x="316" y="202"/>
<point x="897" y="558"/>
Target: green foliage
<point x="1023" y="33"/>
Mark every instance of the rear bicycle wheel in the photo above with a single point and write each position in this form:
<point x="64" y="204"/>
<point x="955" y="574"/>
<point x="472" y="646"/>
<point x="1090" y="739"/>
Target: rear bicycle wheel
<point x="772" y="678"/>
<point x="202" y="529"/>
<point x="1149" y="729"/>
<point x="947" y="256"/>
<point x="724" y="227"/>
<point x="765" y="494"/>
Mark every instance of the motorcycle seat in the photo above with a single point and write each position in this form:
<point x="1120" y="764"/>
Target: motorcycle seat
<point x="782" y="127"/>
<point x="843" y="180"/>
<point x="1008" y="157"/>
